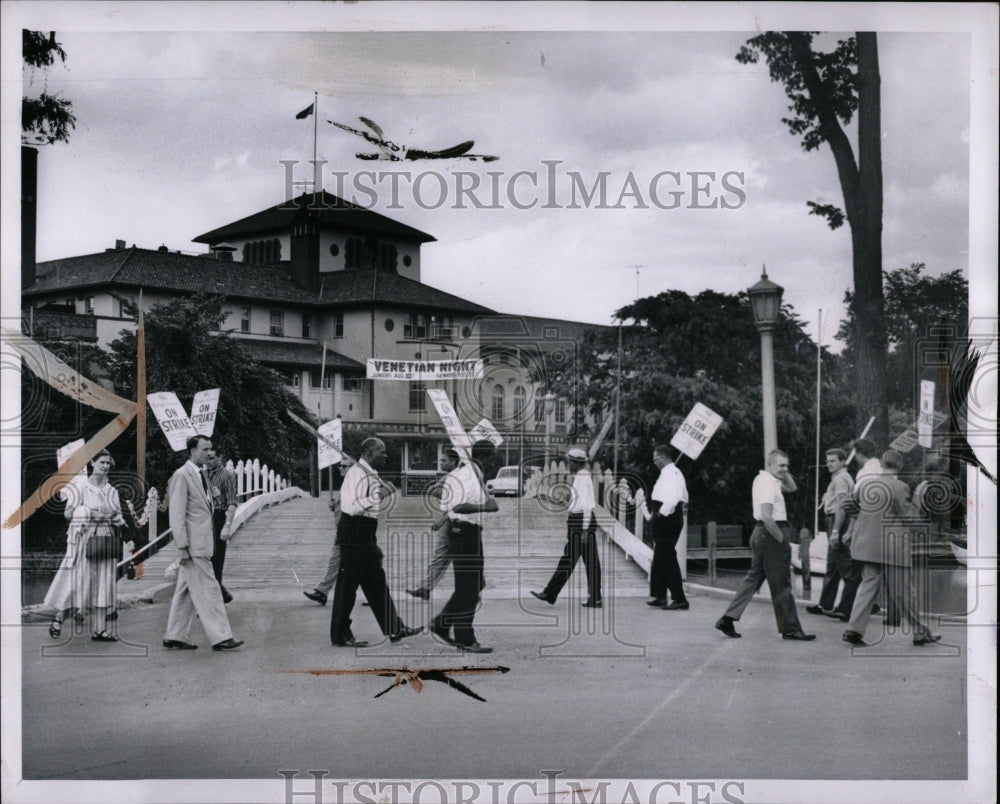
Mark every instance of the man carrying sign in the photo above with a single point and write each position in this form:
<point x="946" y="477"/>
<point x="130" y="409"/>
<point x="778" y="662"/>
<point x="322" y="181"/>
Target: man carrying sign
<point x="360" y="556"/>
<point x="669" y="497"/>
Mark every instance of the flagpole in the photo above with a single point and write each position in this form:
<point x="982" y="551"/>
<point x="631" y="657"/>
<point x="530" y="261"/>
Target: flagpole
<point x="315" y="124"/>
<point x="140" y="398"/>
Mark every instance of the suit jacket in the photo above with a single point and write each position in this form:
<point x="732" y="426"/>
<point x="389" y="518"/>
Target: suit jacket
<point x="191" y="511"/>
<point x="881" y="533"/>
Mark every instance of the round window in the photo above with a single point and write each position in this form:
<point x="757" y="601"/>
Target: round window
<point x="390" y="325"/>
<point x="407" y="260"/>
<point x="334" y="249"/>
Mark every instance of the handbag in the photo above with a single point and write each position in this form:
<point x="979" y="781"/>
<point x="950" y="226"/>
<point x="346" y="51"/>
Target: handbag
<point x="104" y="547"/>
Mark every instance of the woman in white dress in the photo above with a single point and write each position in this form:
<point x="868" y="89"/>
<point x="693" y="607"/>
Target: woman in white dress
<point x="92" y="508"/>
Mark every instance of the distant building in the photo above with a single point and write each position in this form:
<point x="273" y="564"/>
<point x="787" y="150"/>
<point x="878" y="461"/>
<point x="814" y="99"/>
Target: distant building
<point x="320" y="272"/>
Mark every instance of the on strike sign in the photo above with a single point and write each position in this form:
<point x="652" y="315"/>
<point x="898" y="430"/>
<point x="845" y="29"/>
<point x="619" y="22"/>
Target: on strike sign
<point x="697" y="429"/>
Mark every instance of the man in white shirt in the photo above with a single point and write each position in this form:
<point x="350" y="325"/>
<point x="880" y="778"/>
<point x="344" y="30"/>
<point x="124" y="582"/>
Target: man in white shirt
<point x="772" y="553"/>
<point x="360" y="556"/>
<point x="441" y="557"/>
<point x="581" y="536"/>
<point x="467" y="501"/>
<point x="668" y="499"/>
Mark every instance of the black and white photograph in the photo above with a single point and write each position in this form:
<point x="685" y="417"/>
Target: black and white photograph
<point x="499" y="402"/>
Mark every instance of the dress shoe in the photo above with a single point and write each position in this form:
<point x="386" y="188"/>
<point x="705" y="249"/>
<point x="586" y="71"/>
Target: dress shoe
<point x="678" y="605"/>
<point x="657" y="602"/>
<point x="229" y="644"/>
<point x="405" y="632"/>
<point x="854" y="638"/>
<point x="838" y="615"/>
<point x="351" y="643"/>
<point x="590" y="603"/>
<point x="317" y="596"/>
<point x="226" y="597"/>
<point x="176" y="643"/>
<point x="475" y="647"/>
<point x="927" y="639"/>
<point x="816" y="610"/>
<point x="801" y="636"/>
<point x="103" y="636"/>
<point x="725" y="624"/>
<point x="544" y="598"/>
<point x="423" y="593"/>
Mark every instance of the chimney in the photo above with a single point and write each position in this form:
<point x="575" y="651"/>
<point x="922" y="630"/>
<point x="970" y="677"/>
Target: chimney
<point x="29" y="213"/>
<point x="304" y="268"/>
<point x="119" y="245"/>
<point x="223" y="252"/>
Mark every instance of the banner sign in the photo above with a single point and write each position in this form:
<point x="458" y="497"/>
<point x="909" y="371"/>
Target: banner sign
<point x="332" y="430"/>
<point x="203" y="411"/>
<point x="452" y="424"/>
<point x="485" y="431"/>
<point x="172" y="418"/>
<point x="925" y="421"/>
<point x="697" y="429"/>
<point x="429" y="370"/>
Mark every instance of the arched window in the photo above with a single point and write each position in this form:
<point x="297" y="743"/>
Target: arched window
<point x="520" y="402"/>
<point x="498" y="401"/>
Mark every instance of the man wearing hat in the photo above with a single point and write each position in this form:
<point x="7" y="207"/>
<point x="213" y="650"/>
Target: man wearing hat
<point x="668" y="499"/>
<point x="581" y="536"/>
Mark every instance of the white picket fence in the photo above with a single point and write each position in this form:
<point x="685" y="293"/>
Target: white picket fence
<point x="615" y="501"/>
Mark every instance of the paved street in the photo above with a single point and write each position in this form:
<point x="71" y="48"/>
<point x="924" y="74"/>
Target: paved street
<point x="624" y="692"/>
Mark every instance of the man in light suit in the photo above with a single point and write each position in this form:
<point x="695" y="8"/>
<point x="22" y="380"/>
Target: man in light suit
<point x="197" y="589"/>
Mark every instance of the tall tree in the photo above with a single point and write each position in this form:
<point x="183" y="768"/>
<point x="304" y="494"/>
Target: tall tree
<point x="826" y="89"/>
<point x="45" y="118"/>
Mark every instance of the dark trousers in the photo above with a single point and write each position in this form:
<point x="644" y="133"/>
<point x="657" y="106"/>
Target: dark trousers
<point x="839" y="566"/>
<point x="771" y="562"/>
<point x="665" y="571"/>
<point x="218" y="547"/>
<point x="360" y="566"/>
<point x="465" y="542"/>
<point x="580" y="543"/>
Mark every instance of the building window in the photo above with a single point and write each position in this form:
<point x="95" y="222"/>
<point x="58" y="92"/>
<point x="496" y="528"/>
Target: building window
<point x="354" y="384"/>
<point x="245" y="320"/>
<point x="306" y="324"/>
<point x="277" y="323"/>
<point x="418" y="395"/>
<point x="560" y="411"/>
<point x="520" y="402"/>
<point x="539" y="410"/>
<point x="496" y="410"/>
<point x="442" y="327"/>
<point x="367" y="252"/>
<point x="314" y="378"/>
<point x="88" y="305"/>
<point x="290" y="378"/>
<point x="262" y="252"/>
<point x="338" y="325"/>
<point x="415" y="326"/>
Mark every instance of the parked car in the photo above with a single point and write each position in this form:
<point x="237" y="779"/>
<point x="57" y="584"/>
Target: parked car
<point x="507" y="482"/>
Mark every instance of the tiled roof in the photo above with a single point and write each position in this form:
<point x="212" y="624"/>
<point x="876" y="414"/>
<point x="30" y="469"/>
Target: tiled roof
<point x="332" y="211"/>
<point x="308" y="355"/>
<point x="185" y="274"/>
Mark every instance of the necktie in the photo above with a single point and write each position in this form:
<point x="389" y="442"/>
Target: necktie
<point x="204" y="481"/>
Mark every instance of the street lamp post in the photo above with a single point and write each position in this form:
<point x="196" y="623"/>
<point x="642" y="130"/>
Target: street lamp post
<point x="765" y="299"/>
<point x="550" y="405"/>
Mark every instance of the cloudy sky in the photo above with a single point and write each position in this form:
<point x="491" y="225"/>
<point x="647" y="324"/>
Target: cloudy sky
<point x="180" y="131"/>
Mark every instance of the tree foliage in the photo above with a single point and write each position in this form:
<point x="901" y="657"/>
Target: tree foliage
<point x="185" y="354"/>
<point x="679" y="350"/>
<point x="45" y="119"/>
<point x="920" y="311"/>
<point x="826" y="90"/>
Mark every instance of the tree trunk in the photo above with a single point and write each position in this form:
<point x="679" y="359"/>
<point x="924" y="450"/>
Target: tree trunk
<point x="866" y="236"/>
